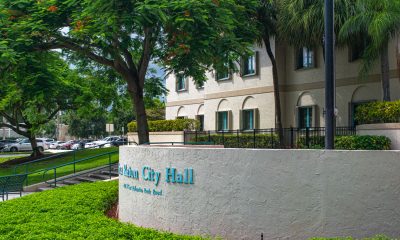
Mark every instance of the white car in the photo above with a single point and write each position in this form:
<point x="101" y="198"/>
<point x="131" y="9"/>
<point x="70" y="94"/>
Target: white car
<point x="91" y="145"/>
<point x="56" y="145"/>
<point x="104" y="141"/>
<point x="25" y="145"/>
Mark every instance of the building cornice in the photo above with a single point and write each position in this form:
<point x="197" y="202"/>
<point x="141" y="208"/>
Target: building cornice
<point x="283" y="88"/>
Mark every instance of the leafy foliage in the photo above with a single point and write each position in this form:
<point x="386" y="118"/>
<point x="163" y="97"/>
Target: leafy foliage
<point x="348" y="142"/>
<point x="378" y="112"/>
<point x="243" y="140"/>
<point x="378" y="20"/>
<point x="75" y="212"/>
<point x="189" y="37"/>
<point x="168" y="125"/>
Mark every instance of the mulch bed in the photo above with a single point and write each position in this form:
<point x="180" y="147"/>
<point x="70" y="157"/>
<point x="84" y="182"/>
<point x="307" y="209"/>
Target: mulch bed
<point x="20" y="160"/>
<point x="113" y="211"/>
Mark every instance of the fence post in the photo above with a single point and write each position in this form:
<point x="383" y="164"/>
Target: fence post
<point x="196" y="136"/>
<point x="308" y="137"/>
<point x="209" y="136"/>
<point x="254" y="138"/>
<point x="223" y="137"/>
<point x="237" y="138"/>
<point x="272" y="138"/>
<point x="109" y="164"/>
<point x="291" y="137"/>
<point x="55" y="177"/>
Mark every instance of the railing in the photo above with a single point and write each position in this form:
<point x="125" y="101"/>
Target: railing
<point x="54" y="169"/>
<point x="294" y="138"/>
<point x="179" y="143"/>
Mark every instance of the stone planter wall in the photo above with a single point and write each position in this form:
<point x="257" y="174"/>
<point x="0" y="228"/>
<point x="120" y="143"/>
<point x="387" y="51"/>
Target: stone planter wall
<point x="390" y="130"/>
<point x="160" y="137"/>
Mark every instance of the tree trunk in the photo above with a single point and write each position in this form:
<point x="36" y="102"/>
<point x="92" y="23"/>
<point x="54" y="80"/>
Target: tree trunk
<point x="385" y="73"/>
<point x="141" y="116"/>
<point x="278" y="111"/>
<point x="35" y="149"/>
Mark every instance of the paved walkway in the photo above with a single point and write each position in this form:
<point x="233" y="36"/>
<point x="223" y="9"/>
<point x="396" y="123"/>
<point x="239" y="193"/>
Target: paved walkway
<point x="14" y="196"/>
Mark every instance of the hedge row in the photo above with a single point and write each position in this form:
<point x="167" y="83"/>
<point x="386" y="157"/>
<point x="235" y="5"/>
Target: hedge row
<point x="348" y="142"/>
<point x="243" y="141"/>
<point x="74" y="212"/>
<point x="378" y="112"/>
<point x="168" y="125"/>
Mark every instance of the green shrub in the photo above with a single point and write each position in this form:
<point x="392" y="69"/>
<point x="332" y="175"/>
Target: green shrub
<point x="348" y="142"/>
<point x="75" y="212"/>
<point x="378" y="237"/>
<point x="378" y="112"/>
<point x="168" y="125"/>
<point x="230" y="140"/>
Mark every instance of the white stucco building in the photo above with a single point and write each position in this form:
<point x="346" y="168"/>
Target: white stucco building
<point x="245" y="100"/>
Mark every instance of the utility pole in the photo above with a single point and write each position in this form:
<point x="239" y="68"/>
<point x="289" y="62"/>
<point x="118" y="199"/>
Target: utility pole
<point x="329" y="74"/>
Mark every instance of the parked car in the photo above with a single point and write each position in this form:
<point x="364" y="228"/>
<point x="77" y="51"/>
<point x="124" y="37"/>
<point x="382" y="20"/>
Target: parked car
<point x="56" y="145"/>
<point x="102" y="142"/>
<point x="25" y="145"/>
<point x="91" y="145"/>
<point x="80" y="144"/>
<point x="3" y="143"/>
<point x="68" y="145"/>
<point x="117" y="143"/>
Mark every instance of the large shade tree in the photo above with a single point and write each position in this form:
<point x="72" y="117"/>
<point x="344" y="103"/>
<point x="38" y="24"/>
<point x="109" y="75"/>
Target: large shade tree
<point x="379" y="22"/>
<point x="189" y="37"/>
<point x="34" y="90"/>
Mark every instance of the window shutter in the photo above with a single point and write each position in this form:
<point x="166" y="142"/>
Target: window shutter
<point x="297" y="119"/>
<point x="257" y="67"/>
<point x="315" y="112"/>
<point x="256" y="118"/>
<point x="230" y="120"/>
<point x="241" y="127"/>
<point x="216" y="121"/>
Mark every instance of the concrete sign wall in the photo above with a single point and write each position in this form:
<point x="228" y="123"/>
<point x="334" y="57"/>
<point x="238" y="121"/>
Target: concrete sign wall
<point x="243" y="193"/>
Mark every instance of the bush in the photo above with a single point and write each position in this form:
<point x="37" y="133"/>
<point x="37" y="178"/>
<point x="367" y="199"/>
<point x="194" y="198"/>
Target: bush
<point x="168" y="125"/>
<point x="378" y="112"/>
<point x="348" y="142"/>
<point x="75" y="212"/>
<point x="230" y="140"/>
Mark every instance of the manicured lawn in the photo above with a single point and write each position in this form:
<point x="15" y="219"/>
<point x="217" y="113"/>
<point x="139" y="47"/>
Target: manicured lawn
<point x="5" y="159"/>
<point x="75" y="212"/>
<point x="69" y="157"/>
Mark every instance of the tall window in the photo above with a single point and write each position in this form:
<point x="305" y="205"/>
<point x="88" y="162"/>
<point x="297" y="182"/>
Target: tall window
<point x="180" y="83"/>
<point x="201" y="120"/>
<point x="249" y="65"/>
<point x="200" y="85"/>
<point x="223" y="74"/>
<point x="248" y="119"/>
<point x="223" y="121"/>
<point x="305" y="58"/>
<point x="305" y="117"/>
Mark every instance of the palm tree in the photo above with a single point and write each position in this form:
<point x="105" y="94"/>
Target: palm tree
<point x="267" y="19"/>
<point x="379" y="20"/>
<point x="301" y="22"/>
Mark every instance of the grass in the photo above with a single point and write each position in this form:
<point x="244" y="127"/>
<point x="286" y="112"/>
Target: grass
<point x="68" y="157"/>
<point x="75" y="212"/>
<point x="5" y="159"/>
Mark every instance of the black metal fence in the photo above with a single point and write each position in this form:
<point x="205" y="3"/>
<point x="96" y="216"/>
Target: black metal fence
<point x="296" y="138"/>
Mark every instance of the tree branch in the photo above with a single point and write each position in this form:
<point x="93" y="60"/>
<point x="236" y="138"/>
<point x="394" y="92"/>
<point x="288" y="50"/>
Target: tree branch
<point x="146" y="55"/>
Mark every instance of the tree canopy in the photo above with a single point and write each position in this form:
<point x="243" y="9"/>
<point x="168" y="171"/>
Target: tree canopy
<point x="188" y="37"/>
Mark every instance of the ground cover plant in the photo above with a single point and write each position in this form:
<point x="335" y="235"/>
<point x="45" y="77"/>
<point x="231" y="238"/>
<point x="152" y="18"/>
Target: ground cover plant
<point x="75" y="212"/>
<point x="38" y="177"/>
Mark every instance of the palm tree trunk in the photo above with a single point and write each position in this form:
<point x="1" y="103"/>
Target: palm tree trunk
<point x="278" y="111"/>
<point x="385" y="73"/>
